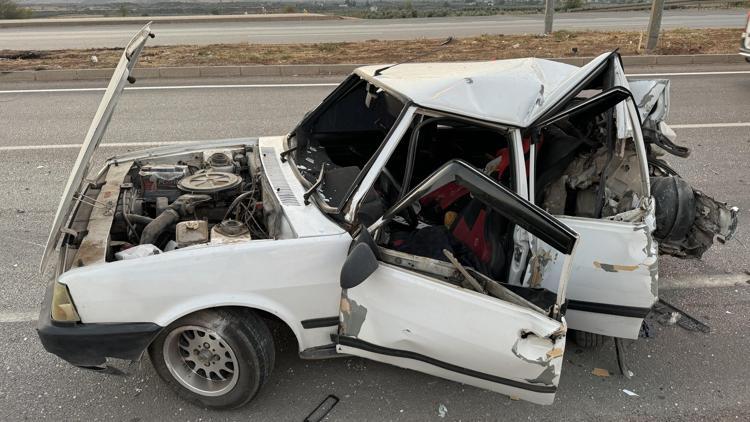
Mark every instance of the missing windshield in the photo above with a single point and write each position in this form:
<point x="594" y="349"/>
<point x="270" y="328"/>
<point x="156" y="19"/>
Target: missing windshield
<point x="342" y="135"/>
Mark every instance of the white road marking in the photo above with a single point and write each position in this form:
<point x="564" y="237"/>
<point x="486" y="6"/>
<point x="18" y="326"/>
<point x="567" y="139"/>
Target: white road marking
<point x="299" y="85"/>
<point x="691" y="282"/>
<point x="700" y="281"/>
<point x="710" y="125"/>
<point x="167" y="87"/>
<point x="78" y="146"/>
<point x="729" y="72"/>
<point x="19" y="316"/>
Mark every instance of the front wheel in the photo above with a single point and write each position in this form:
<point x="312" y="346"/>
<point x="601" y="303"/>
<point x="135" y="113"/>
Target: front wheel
<point x="215" y="358"/>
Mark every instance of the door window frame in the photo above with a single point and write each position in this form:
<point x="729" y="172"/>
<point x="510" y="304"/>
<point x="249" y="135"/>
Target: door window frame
<point x="410" y="117"/>
<point x="628" y="125"/>
<point x="474" y="179"/>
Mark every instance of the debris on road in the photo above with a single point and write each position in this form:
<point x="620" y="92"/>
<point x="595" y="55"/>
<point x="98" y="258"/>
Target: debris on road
<point x="600" y="372"/>
<point x="630" y="393"/>
<point x="442" y="410"/>
<point x="322" y="410"/>
<point x="668" y="314"/>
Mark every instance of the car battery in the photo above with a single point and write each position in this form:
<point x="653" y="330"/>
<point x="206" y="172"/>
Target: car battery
<point x="161" y="180"/>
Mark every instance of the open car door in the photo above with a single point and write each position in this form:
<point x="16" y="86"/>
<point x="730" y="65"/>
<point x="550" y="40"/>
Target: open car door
<point x="616" y="271"/>
<point x="447" y="319"/>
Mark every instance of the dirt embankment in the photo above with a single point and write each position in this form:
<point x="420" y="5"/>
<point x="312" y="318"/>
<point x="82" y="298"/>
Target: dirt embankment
<point x="484" y="47"/>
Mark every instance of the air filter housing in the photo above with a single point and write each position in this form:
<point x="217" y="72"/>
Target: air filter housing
<point x="209" y="182"/>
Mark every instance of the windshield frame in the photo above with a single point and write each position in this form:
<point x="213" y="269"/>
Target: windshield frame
<point x="337" y="93"/>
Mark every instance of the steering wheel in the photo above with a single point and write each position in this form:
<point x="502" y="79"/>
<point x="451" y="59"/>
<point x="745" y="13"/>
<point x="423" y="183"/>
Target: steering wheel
<point x="408" y="213"/>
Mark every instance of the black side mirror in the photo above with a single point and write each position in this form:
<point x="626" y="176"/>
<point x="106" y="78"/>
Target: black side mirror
<point x="364" y="237"/>
<point x="359" y="265"/>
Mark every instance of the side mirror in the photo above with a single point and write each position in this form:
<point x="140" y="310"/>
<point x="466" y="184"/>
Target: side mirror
<point x="364" y="237"/>
<point x="359" y="265"/>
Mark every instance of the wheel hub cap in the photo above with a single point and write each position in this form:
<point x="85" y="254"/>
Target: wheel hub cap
<point x="200" y="360"/>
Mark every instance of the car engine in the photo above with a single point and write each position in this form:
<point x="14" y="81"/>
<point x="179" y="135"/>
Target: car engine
<point x="210" y="197"/>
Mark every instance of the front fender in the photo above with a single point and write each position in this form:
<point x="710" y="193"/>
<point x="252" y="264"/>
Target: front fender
<point x="295" y="279"/>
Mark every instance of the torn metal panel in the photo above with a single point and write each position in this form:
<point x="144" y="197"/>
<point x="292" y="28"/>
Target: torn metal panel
<point x="621" y="269"/>
<point x="352" y="316"/>
<point x="533" y="349"/>
<point x="95" y="245"/>
<point x="547" y="376"/>
<point x="422" y="323"/>
<point x="651" y="97"/>
<point x="613" y="268"/>
<point x="541" y="258"/>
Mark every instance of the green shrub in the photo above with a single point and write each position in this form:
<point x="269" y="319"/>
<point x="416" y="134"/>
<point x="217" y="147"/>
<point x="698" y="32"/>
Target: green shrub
<point x="10" y="10"/>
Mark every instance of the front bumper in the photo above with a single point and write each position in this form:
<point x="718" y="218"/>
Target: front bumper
<point x="89" y="345"/>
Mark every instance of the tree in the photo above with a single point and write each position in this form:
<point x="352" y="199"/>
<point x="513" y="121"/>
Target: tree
<point x="123" y="9"/>
<point x="10" y="10"/>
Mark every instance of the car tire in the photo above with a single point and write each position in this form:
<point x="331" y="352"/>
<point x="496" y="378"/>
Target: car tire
<point x="588" y="340"/>
<point x="215" y="358"/>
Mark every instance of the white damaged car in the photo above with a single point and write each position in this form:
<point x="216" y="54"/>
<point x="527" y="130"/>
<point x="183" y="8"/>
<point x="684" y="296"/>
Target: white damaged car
<point x="408" y="219"/>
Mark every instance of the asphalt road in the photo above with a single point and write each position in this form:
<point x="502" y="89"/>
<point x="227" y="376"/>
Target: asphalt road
<point x="47" y="38"/>
<point x="678" y="374"/>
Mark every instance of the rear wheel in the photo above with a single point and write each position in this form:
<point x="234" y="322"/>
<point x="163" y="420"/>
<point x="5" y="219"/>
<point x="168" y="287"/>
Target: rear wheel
<point x="215" y="358"/>
<point x="588" y="340"/>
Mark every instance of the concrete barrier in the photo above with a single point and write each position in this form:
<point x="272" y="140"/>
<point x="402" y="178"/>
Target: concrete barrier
<point x="300" y="70"/>
<point x="219" y="71"/>
<point x="192" y="72"/>
<point x="179" y="72"/>
<point x="23" y="75"/>
<point x="260" y="70"/>
<point x="638" y="60"/>
<point x="87" y="74"/>
<point x="56" y="75"/>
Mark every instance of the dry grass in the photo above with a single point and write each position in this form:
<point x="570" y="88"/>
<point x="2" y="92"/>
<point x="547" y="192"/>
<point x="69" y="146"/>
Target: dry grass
<point x="485" y="47"/>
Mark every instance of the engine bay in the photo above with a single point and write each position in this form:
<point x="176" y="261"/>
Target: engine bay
<point x="167" y="203"/>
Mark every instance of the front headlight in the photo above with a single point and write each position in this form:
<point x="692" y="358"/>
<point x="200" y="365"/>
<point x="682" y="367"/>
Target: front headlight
<point x="62" y="305"/>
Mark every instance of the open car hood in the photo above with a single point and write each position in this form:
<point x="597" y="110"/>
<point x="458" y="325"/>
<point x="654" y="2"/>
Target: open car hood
<point x="76" y="181"/>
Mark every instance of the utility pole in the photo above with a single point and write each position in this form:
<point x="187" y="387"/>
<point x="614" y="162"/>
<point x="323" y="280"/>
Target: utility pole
<point x="549" y="11"/>
<point x="654" y="25"/>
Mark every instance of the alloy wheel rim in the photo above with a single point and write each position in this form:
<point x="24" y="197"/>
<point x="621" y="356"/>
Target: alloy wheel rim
<point x="200" y="360"/>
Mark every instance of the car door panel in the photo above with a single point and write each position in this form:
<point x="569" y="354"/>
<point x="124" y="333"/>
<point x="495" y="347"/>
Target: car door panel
<point x="398" y="317"/>
<point x="614" y="280"/>
<point x="614" y="276"/>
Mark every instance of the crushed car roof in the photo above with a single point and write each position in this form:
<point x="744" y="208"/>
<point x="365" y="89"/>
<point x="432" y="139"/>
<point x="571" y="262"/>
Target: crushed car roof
<point x="512" y="92"/>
